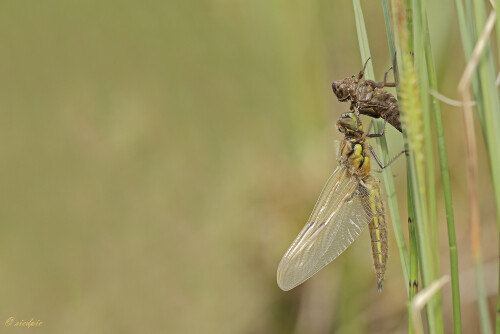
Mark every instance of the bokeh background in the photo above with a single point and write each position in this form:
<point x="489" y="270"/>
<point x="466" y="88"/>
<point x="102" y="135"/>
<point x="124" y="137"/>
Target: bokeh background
<point x="158" y="158"/>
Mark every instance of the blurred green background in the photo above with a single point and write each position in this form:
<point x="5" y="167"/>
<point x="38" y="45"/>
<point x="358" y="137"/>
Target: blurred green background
<point x="158" y="158"/>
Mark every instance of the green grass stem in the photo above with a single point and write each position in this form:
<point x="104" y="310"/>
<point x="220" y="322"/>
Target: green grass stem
<point x="387" y="177"/>
<point x="409" y="39"/>
<point x="488" y="108"/>
<point x="445" y="176"/>
<point x="413" y="283"/>
<point x="420" y="65"/>
<point x="411" y="110"/>
<point x="497" y="325"/>
<point x="491" y="120"/>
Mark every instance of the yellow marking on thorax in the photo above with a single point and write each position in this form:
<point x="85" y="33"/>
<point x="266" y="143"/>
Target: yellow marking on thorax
<point x="357" y="155"/>
<point x="367" y="165"/>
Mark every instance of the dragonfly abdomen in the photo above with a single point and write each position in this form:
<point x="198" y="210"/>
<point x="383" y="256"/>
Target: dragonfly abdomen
<point x="378" y="233"/>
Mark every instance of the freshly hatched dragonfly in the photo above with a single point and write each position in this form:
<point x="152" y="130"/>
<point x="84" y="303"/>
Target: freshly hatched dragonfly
<point x="369" y="97"/>
<point x="350" y="201"/>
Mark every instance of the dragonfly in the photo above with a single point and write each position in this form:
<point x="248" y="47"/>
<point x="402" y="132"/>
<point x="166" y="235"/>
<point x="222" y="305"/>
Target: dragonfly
<point x="369" y="97"/>
<point x="351" y="200"/>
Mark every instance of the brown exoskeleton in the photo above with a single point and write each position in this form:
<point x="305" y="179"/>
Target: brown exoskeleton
<point x="369" y="97"/>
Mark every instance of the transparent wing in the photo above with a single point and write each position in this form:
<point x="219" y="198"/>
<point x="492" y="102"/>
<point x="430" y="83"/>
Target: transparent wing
<point x="338" y="218"/>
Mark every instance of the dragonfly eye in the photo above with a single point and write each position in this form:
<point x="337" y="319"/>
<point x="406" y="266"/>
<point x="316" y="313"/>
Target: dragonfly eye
<point x="335" y="87"/>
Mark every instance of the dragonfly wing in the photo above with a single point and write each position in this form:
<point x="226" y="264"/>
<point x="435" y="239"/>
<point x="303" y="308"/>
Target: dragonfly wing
<point x="338" y="218"/>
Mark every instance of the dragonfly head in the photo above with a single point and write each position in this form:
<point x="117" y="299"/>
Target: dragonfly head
<point x="341" y="89"/>
<point x="350" y="124"/>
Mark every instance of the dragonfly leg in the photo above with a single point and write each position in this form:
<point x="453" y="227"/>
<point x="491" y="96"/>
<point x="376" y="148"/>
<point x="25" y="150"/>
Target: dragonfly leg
<point x="378" y="160"/>
<point x="383" y="83"/>
<point x="376" y="135"/>
<point x="369" y="127"/>
<point x="387" y="84"/>
<point x="395" y="66"/>
<point x="362" y="73"/>
<point x="356" y="112"/>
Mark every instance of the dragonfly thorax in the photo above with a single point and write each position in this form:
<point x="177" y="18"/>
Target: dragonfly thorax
<point x="353" y="154"/>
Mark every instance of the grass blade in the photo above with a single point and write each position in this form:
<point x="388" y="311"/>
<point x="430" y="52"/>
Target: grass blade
<point x="477" y="58"/>
<point x="388" y="180"/>
<point x="445" y="176"/>
<point x="411" y="113"/>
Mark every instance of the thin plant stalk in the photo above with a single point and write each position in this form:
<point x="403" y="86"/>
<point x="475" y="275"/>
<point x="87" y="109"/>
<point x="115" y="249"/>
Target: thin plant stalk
<point x="414" y="253"/>
<point x="412" y="236"/>
<point x="434" y="310"/>
<point x="420" y="60"/>
<point x="421" y="299"/>
<point x="488" y="108"/>
<point x="413" y="259"/>
<point x="388" y="180"/>
<point x="413" y="282"/>
<point x="468" y="41"/>
<point x="488" y="104"/>
<point x="445" y="176"/>
<point x="471" y="158"/>
<point x="489" y="115"/>
<point x="411" y="113"/>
